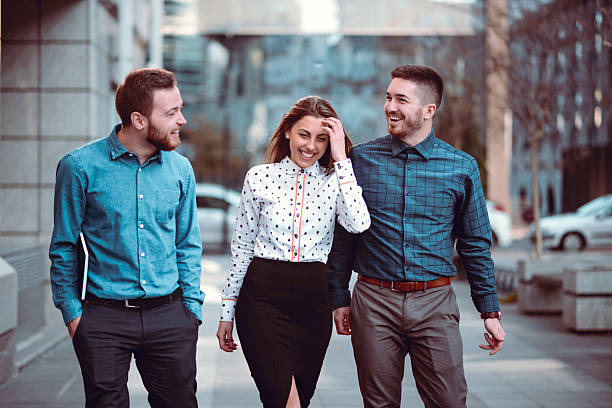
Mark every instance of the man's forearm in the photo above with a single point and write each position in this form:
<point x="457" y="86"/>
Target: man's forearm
<point x="340" y="266"/>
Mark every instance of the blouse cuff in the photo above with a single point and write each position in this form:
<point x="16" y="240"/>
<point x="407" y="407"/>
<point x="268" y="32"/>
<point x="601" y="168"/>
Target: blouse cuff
<point x="344" y="171"/>
<point x="228" y="309"/>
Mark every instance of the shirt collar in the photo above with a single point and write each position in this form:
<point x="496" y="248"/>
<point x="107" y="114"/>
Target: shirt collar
<point x="425" y="148"/>
<point x="293" y="168"/>
<point x="117" y="149"/>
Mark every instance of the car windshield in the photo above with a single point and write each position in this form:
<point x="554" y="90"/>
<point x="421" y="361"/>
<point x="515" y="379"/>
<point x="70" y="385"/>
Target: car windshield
<point x="595" y="207"/>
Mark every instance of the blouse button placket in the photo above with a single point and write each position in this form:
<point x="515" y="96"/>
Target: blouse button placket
<point x="299" y="201"/>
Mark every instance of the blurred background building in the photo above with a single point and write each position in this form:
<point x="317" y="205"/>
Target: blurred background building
<point x="518" y="74"/>
<point x="61" y="61"/>
<point x="242" y="65"/>
<point x="560" y="79"/>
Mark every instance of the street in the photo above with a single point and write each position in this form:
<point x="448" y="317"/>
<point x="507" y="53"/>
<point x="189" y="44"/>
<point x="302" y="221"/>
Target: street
<point x="542" y="365"/>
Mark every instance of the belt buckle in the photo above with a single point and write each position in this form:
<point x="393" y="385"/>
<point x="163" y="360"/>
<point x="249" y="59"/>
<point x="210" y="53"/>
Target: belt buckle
<point x="393" y="289"/>
<point x="128" y="306"/>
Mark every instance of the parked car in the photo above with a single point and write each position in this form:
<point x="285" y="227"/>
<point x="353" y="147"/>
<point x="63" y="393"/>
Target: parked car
<point x="501" y="226"/>
<point x="589" y="226"/>
<point x="216" y="214"/>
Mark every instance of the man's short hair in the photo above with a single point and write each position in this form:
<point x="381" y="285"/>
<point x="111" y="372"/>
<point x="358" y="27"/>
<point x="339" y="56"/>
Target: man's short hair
<point x="135" y="94"/>
<point x="426" y="77"/>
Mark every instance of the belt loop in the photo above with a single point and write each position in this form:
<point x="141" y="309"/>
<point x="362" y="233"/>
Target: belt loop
<point x="424" y="286"/>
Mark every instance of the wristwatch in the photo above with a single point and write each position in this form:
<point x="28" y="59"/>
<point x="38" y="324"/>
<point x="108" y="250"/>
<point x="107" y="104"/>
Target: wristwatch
<point x="490" y="315"/>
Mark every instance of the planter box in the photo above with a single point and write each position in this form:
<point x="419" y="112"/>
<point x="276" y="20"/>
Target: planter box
<point x="539" y="288"/>
<point x="587" y="299"/>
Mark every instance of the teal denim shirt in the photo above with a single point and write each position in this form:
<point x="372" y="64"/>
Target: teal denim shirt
<point x="139" y="222"/>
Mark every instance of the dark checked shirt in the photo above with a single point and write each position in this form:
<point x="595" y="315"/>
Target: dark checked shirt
<point x="420" y="200"/>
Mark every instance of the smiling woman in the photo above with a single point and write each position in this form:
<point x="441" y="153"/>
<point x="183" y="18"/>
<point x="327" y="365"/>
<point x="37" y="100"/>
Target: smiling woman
<point x="278" y="287"/>
<point x="308" y="140"/>
<point x="322" y="122"/>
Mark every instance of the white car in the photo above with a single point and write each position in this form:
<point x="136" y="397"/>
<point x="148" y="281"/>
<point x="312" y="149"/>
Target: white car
<point x="501" y="226"/>
<point x="216" y="214"/>
<point x="589" y="226"/>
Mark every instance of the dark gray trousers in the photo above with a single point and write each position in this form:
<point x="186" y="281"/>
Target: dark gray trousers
<point x="162" y="341"/>
<point x="387" y="325"/>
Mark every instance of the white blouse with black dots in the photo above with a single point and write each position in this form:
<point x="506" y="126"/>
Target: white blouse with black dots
<point x="288" y="213"/>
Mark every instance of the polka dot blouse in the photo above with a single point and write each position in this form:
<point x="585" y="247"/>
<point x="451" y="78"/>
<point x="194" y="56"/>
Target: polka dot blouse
<point x="288" y="213"/>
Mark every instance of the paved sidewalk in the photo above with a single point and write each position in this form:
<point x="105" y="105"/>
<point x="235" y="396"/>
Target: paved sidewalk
<point x="542" y="365"/>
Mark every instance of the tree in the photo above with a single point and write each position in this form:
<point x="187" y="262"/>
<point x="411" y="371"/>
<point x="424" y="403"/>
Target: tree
<point x="543" y="73"/>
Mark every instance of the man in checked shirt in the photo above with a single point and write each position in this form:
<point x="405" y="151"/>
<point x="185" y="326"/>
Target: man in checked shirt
<point x="422" y="195"/>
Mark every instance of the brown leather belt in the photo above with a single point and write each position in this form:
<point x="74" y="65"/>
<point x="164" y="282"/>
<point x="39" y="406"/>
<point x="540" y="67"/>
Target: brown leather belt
<point x="406" y="286"/>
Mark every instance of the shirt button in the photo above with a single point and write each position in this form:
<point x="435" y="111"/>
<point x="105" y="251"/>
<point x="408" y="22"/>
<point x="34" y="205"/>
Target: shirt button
<point x="144" y="282"/>
<point x="140" y="195"/>
<point x="131" y="154"/>
<point x="141" y="226"/>
<point x="142" y="254"/>
<point x="301" y="170"/>
<point x="140" y="169"/>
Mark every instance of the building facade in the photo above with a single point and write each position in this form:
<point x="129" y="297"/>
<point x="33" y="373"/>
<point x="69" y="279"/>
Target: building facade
<point x="561" y="95"/>
<point x="61" y="61"/>
<point x="248" y="66"/>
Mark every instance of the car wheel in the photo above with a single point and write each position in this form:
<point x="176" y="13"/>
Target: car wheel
<point x="572" y="242"/>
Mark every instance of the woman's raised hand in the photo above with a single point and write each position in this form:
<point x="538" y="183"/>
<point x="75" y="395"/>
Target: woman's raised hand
<point x="334" y="129"/>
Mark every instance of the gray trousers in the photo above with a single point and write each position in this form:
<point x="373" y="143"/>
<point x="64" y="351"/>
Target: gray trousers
<point x="387" y="325"/>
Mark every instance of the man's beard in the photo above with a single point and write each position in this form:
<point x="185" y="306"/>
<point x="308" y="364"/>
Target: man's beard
<point x="410" y="126"/>
<point x="161" y="141"/>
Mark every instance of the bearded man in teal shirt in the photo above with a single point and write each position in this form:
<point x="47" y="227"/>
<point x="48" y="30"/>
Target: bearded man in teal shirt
<point x="133" y="200"/>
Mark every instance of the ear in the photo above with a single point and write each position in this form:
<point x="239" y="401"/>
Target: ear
<point x="139" y="121"/>
<point x="286" y="135"/>
<point x="429" y="111"/>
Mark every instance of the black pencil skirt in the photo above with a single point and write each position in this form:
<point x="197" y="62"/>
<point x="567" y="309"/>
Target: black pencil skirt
<point x="284" y="323"/>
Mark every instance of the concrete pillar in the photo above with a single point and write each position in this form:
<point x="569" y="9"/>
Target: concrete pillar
<point x="499" y="117"/>
<point x="126" y="38"/>
<point x="156" y="58"/>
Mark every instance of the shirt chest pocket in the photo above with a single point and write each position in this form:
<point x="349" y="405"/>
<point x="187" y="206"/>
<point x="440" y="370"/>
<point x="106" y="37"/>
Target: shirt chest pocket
<point x="167" y="201"/>
<point x="437" y="202"/>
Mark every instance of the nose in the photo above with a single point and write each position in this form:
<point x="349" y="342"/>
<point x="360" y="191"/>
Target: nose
<point x="181" y="119"/>
<point x="311" y="144"/>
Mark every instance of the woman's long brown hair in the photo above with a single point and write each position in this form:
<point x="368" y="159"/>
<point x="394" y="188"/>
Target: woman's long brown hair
<point x="315" y="106"/>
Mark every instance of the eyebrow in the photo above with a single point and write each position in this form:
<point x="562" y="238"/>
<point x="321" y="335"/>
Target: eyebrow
<point x="175" y="108"/>
<point x="305" y="131"/>
<point x="398" y="95"/>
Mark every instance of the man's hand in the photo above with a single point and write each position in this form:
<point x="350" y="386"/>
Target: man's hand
<point x="342" y="318"/>
<point x="496" y="338"/>
<point x="224" y="335"/>
<point x="72" y="326"/>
